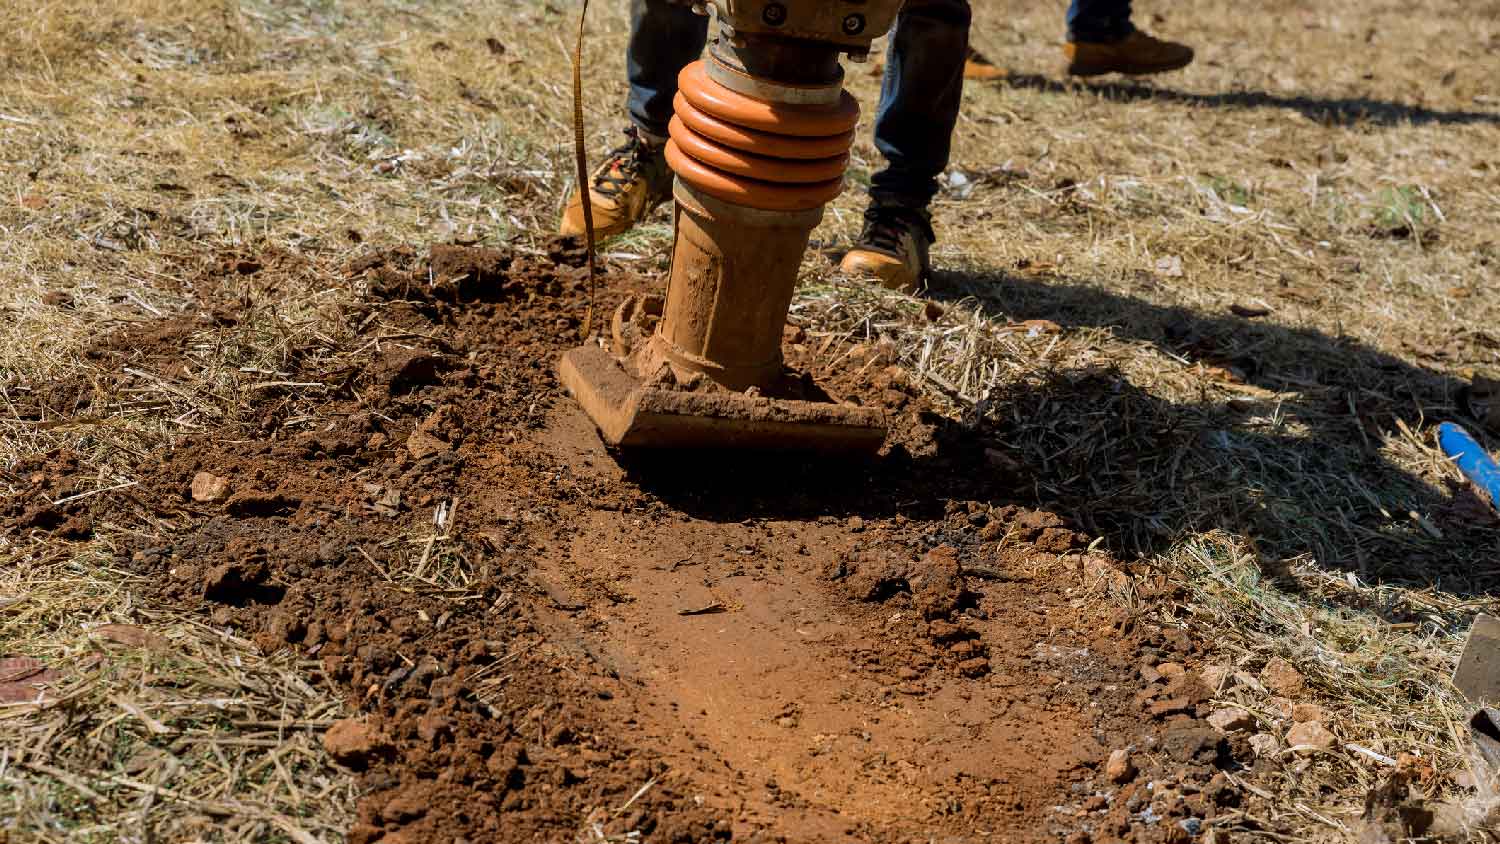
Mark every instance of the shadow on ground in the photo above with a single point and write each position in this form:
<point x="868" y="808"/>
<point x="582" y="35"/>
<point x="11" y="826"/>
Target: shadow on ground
<point x="1345" y="111"/>
<point x="1294" y="462"/>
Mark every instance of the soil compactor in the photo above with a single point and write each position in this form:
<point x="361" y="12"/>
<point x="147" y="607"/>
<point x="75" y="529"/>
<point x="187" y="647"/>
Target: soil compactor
<point x="758" y="145"/>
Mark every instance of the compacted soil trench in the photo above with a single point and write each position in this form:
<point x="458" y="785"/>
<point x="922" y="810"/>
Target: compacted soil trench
<point x="548" y="641"/>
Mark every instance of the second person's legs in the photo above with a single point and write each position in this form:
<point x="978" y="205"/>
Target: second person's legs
<point x="919" y="100"/>
<point x="1099" y="20"/>
<point x="1101" y="39"/>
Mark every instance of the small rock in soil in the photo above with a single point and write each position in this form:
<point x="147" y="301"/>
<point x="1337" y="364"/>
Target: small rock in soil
<point x="1120" y="768"/>
<point x="1192" y="743"/>
<point x="504" y="764"/>
<point x="423" y="444"/>
<point x="1214" y="676"/>
<point x="1311" y="735"/>
<point x="281" y="628"/>
<point x="1231" y="719"/>
<point x="1280" y="677"/>
<point x="1100" y="572"/>
<point x="208" y="488"/>
<point x="1304" y="712"/>
<point x="1265" y="744"/>
<point x="976" y="667"/>
<point x="937" y="583"/>
<point x="875" y="574"/>
<point x="1248" y="680"/>
<point x="354" y="743"/>
<point x="1219" y="792"/>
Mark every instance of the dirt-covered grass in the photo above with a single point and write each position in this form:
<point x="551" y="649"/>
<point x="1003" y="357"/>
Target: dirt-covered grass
<point x="1215" y="317"/>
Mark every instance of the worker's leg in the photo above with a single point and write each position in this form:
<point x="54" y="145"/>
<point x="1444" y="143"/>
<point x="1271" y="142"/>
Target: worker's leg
<point x="919" y="99"/>
<point x="1101" y="39"/>
<point x="634" y="178"/>
<point x="1099" y="20"/>
<point x="664" y="38"/>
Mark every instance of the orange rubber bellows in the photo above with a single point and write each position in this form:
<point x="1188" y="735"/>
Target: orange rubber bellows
<point x="759" y="154"/>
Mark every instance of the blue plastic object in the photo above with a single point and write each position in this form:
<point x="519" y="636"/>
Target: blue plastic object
<point x="1472" y="460"/>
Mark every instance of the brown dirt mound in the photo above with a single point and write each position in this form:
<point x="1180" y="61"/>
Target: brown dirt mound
<point x="547" y="641"/>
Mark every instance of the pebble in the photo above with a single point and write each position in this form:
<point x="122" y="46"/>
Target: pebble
<point x="1214" y="676"/>
<point x="1265" y="744"/>
<point x="1231" y="719"/>
<point x="1280" y="677"/>
<point x="353" y="742"/>
<point x="1304" y="712"/>
<point x="1171" y="670"/>
<point x="1311" y="735"/>
<point x="208" y="488"/>
<point x="1120" y="768"/>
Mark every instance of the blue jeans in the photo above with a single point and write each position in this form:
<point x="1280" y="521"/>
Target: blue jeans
<point x="919" y="96"/>
<point x="1099" y="20"/>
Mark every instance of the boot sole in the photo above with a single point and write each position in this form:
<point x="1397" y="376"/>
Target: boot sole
<point x="1087" y="70"/>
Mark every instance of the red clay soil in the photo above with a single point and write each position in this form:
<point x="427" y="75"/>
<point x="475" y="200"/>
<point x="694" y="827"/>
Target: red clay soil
<point x="690" y="647"/>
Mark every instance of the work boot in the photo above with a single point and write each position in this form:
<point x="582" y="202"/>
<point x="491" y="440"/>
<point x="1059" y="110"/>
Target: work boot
<point x="631" y="182"/>
<point x="1135" y="54"/>
<point x="893" y="247"/>
<point x="980" y="69"/>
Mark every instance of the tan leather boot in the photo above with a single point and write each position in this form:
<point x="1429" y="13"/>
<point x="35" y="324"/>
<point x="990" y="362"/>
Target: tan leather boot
<point x="892" y="249"/>
<point x="981" y="69"/>
<point x="1135" y="54"/>
<point x="627" y="186"/>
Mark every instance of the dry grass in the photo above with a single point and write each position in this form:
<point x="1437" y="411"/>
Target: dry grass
<point x="161" y="728"/>
<point x="1280" y="467"/>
